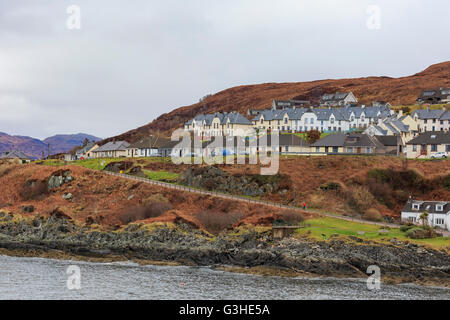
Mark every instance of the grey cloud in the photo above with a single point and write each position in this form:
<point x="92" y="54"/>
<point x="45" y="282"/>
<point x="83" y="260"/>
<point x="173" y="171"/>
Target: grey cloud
<point x="132" y="61"/>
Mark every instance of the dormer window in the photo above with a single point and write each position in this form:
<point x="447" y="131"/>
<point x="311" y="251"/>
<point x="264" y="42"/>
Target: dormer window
<point x="416" y="206"/>
<point x="439" y="207"/>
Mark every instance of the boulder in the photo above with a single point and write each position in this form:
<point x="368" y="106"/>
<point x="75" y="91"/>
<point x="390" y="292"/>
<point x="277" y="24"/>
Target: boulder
<point x="59" y="178"/>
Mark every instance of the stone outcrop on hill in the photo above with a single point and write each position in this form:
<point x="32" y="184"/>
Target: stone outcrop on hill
<point x="214" y="179"/>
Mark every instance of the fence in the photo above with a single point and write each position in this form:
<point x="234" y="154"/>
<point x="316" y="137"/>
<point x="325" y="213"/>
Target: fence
<point x="200" y="191"/>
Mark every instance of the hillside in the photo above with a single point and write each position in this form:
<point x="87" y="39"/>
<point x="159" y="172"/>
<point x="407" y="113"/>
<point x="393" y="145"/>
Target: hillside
<point x="398" y="91"/>
<point x="66" y="142"/>
<point x="34" y="147"/>
<point x="31" y="146"/>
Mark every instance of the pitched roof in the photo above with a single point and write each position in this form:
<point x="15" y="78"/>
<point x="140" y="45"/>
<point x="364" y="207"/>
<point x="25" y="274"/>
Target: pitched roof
<point x="113" y="146"/>
<point x="85" y="149"/>
<point x="346" y="140"/>
<point x="429" y="206"/>
<point x="389" y="140"/>
<point x="431" y="137"/>
<point x="283" y="140"/>
<point x="15" y="154"/>
<point x="427" y="113"/>
<point x="150" y="142"/>
<point x="232" y="117"/>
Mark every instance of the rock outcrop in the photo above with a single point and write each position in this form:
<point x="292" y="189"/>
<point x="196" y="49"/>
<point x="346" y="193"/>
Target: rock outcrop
<point x="184" y="244"/>
<point x="214" y="179"/>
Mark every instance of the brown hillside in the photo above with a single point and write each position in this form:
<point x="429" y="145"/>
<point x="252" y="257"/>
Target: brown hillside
<point x="397" y="91"/>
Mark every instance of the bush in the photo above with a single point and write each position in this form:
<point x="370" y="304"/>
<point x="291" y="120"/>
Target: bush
<point x="421" y="233"/>
<point x="360" y="199"/>
<point x="292" y="217"/>
<point x="447" y="182"/>
<point x="144" y="212"/>
<point x="216" y="222"/>
<point x="406" y="227"/>
<point x="312" y="136"/>
<point x="5" y="169"/>
<point x="33" y="189"/>
<point x="373" y="214"/>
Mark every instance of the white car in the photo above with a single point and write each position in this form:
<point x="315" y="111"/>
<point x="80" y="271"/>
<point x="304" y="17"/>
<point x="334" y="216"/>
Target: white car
<point x="439" y="155"/>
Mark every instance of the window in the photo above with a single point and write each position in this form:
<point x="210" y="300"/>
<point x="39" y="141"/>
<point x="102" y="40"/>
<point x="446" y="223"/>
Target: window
<point x="285" y="120"/>
<point x="312" y="121"/>
<point x="262" y="121"/>
<point x="286" y="148"/>
<point x="414" y="148"/>
<point x="335" y="149"/>
<point x="332" y="120"/>
<point x="439" y="207"/>
<point x="411" y="219"/>
<point x="425" y="121"/>
<point x="350" y="150"/>
<point x="434" y="147"/>
<point x="447" y="148"/>
<point x="439" y="221"/>
<point x="368" y="149"/>
<point x="416" y="206"/>
<point x="317" y="149"/>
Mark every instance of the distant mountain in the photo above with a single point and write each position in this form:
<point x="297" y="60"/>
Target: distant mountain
<point x="34" y="147"/>
<point x="66" y="142"/>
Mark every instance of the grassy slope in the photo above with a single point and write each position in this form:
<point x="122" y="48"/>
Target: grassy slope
<point x="318" y="227"/>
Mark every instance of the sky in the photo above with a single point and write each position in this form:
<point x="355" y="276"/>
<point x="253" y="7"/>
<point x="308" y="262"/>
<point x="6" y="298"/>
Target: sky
<point x="104" y="67"/>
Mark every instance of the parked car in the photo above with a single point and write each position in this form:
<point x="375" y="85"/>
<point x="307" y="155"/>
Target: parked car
<point x="224" y="153"/>
<point x="439" y="155"/>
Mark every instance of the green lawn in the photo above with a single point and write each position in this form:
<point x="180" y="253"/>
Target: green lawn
<point x="161" y="175"/>
<point x="328" y="226"/>
<point x="418" y="106"/>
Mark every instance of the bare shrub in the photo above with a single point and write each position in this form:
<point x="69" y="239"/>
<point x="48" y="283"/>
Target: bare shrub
<point x="143" y="212"/>
<point x="4" y="170"/>
<point x="292" y="217"/>
<point x="373" y="214"/>
<point x="155" y="198"/>
<point x="360" y="199"/>
<point x="33" y="189"/>
<point x="216" y="222"/>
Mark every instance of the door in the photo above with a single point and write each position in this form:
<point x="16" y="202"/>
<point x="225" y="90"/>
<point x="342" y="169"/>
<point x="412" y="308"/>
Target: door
<point x="358" y="150"/>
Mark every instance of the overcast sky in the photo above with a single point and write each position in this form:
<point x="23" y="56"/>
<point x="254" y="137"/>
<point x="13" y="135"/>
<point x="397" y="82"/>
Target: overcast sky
<point x="132" y="60"/>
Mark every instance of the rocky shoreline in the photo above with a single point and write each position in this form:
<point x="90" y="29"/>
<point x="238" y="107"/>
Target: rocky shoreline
<point x="241" y="250"/>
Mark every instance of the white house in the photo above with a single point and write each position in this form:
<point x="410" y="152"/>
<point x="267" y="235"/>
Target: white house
<point x="438" y="212"/>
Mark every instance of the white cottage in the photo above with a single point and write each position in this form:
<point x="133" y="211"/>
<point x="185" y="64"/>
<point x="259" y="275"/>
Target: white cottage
<point x="438" y="212"/>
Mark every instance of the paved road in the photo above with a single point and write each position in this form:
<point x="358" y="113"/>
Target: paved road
<point x="244" y="199"/>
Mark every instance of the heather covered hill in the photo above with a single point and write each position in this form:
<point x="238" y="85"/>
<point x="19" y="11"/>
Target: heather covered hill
<point x="30" y="146"/>
<point x="34" y="147"/>
<point x="66" y="142"/>
<point x="398" y="91"/>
